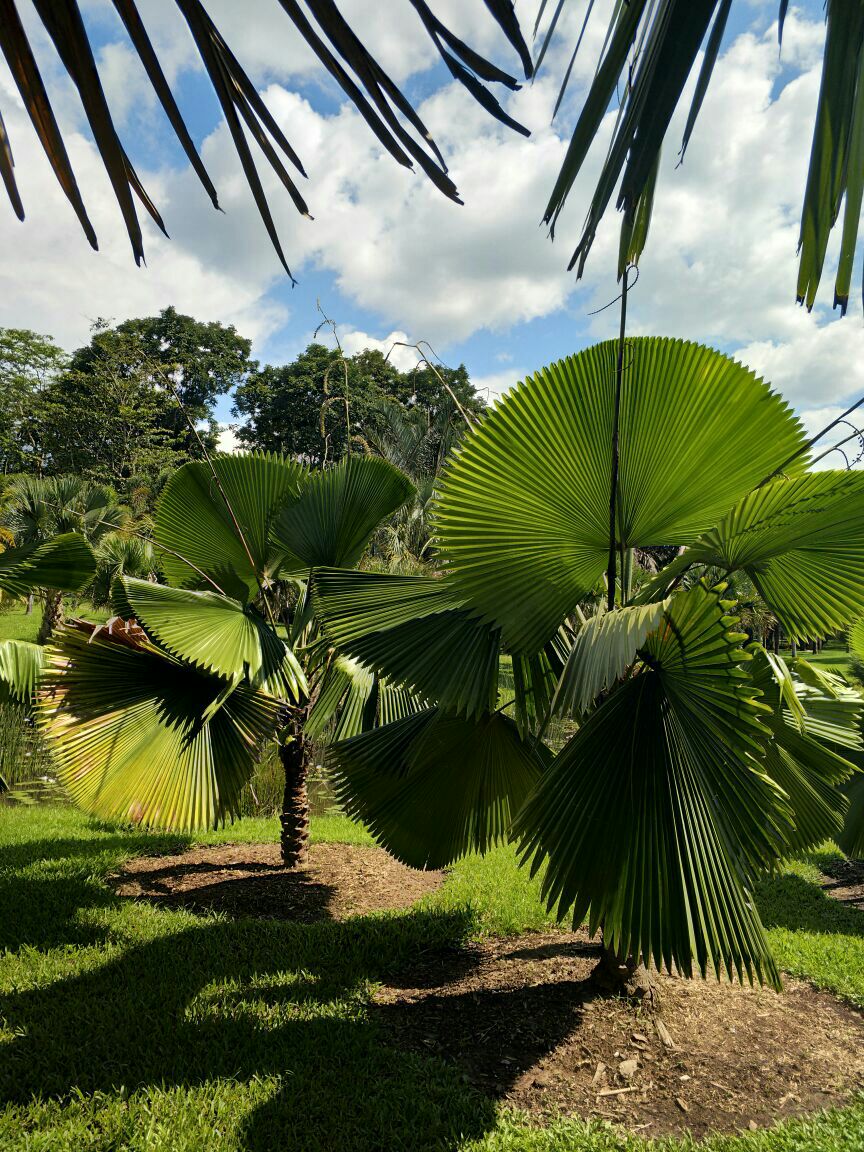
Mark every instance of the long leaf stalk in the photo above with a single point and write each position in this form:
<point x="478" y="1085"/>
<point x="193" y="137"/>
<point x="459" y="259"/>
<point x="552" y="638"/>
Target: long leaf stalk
<point x="616" y="419"/>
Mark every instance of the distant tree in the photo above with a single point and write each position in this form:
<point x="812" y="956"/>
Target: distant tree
<point x="203" y="360"/>
<point x="28" y="364"/>
<point x="315" y="406"/>
<point x="106" y="419"/>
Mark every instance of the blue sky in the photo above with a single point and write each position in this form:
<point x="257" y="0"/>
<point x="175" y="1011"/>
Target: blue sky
<point x="389" y="258"/>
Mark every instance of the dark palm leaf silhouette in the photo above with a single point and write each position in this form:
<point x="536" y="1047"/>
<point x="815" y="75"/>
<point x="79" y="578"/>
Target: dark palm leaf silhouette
<point x="377" y="98"/>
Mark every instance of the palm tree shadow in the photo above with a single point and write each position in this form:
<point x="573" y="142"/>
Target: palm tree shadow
<point x="789" y="901"/>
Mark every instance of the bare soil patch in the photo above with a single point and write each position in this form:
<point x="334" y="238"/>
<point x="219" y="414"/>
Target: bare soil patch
<point x="844" y="880"/>
<point x="340" y="880"/>
<point x="526" y="1025"/>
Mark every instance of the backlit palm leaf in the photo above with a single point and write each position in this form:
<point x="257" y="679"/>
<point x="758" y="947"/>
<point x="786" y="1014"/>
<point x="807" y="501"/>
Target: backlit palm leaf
<point x="433" y="786"/>
<point x="336" y="512"/>
<point x="21" y="665"/>
<point x="199" y="544"/>
<point x="522" y="520"/>
<point x="211" y="632"/>
<point x="413" y="631"/>
<point x="138" y="736"/>
<point x="655" y="817"/>
<point x="65" y="563"/>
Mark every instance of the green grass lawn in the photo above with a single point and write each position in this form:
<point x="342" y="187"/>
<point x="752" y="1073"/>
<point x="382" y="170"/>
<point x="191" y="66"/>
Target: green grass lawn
<point x="126" y="1027"/>
<point x="15" y="624"/>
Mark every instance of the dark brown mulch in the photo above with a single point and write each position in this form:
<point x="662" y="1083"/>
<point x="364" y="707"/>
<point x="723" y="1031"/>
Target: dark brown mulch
<point x="844" y="880"/>
<point x="249" y="880"/>
<point x="524" y="1022"/>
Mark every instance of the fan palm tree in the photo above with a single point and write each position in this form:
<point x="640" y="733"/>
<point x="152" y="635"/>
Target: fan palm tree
<point x="698" y="761"/>
<point x="649" y="51"/>
<point x="160" y="717"/>
<point x="41" y="508"/>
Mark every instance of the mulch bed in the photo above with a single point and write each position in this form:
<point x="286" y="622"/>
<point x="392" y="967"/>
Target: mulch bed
<point x="523" y="1020"/>
<point x="844" y="880"/>
<point x="249" y="880"/>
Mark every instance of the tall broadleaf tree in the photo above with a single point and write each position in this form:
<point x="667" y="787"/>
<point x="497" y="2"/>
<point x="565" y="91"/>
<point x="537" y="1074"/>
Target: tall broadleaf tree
<point x="698" y="759"/>
<point x="160" y="717"/>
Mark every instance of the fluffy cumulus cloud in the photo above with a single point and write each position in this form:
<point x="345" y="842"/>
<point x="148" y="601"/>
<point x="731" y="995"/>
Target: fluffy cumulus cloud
<point x="720" y="265"/>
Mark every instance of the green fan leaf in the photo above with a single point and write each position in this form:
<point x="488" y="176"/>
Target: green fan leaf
<point x="522" y="520"/>
<point x="346" y="701"/>
<point x="801" y="542"/>
<point x="138" y="736"/>
<point x="603" y="649"/>
<point x="433" y="786"/>
<point x="796" y="758"/>
<point x="414" y="632"/>
<point x="655" y="816"/>
<point x="21" y="666"/>
<point x="851" y="839"/>
<point x="65" y="563"/>
<point x="200" y="545"/>
<point x="211" y="632"/>
<point x="336" y="513"/>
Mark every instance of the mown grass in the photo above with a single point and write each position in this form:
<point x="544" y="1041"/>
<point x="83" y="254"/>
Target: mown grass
<point x="126" y="1028"/>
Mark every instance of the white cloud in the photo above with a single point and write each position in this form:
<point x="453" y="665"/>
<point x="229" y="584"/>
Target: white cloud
<point x="720" y="264"/>
<point x="495" y="384"/>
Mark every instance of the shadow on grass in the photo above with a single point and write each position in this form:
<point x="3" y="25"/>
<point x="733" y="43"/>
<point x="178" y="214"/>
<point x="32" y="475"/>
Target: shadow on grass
<point x="222" y="1000"/>
<point x="789" y="901"/>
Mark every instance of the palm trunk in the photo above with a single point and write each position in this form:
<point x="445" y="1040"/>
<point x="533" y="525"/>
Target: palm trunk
<point x="295" y="804"/>
<point x="28" y="611"/>
<point x="52" y="615"/>
<point x="626" y="976"/>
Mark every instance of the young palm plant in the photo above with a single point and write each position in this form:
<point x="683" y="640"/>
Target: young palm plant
<point x="698" y="761"/>
<point x="160" y="717"/>
<point x="41" y="508"/>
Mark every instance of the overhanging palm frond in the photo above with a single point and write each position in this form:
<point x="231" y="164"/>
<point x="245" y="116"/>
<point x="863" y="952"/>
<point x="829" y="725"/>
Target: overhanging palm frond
<point x="21" y="666"/>
<point x="522" y="520"/>
<point x="415" y="632"/>
<point x="649" y="53"/>
<point x="65" y="563"/>
<point x="138" y="736"/>
<point x="386" y="110"/>
<point x="433" y="786"/>
<point x="212" y="632"/>
<point x="198" y="541"/>
<point x="655" y="817"/>
<point x="801" y="542"/>
<point x="336" y="513"/>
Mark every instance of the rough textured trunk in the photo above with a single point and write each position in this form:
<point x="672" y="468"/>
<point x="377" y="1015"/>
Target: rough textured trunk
<point x="52" y="615"/>
<point x="295" y="804"/>
<point x="625" y="976"/>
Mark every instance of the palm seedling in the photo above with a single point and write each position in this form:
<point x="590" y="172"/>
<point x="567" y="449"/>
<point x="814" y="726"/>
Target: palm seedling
<point x="699" y="760"/>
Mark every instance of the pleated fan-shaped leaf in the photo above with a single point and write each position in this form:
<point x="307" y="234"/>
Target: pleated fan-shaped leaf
<point x="201" y="547"/>
<point x="414" y="632"/>
<point x="433" y="786"/>
<point x="21" y="666"/>
<point x="138" y="736"/>
<point x="797" y="757"/>
<point x="801" y="541"/>
<point x="65" y="562"/>
<point x="603" y="649"/>
<point x="212" y="632"/>
<point x="334" y="516"/>
<point x="522" y="518"/>
<point x="655" y="817"/>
